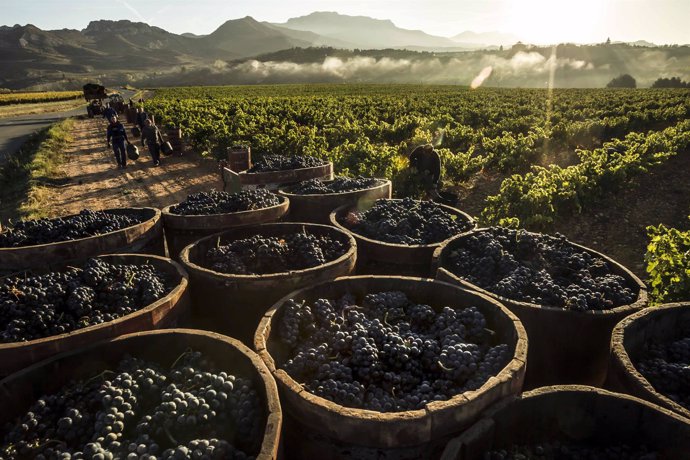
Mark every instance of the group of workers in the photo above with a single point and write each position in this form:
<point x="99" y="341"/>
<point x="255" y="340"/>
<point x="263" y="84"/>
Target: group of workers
<point x="117" y="136"/>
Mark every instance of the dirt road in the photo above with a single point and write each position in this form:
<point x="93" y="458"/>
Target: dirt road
<point x="93" y="181"/>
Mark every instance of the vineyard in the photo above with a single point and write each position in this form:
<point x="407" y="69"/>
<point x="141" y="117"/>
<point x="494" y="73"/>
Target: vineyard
<point x="40" y="97"/>
<point x="558" y="152"/>
<point x="369" y="130"/>
<point x="313" y="312"/>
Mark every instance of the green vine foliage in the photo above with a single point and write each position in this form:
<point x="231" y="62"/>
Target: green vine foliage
<point x="668" y="264"/>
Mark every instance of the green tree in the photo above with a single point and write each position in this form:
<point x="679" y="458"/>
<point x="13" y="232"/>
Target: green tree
<point x="673" y="82"/>
<point x="622" y="81"/>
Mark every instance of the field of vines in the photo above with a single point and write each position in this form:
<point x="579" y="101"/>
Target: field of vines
<point x="39" y="97"/>
<point x="560" y="151"/>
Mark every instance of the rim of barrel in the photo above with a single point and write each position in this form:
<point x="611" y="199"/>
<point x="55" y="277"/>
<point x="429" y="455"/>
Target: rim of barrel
<point x="152" y="219"/>
<point x="285" y="191"/>
<point x="351" y="252"/>
<point x="264" y="331"/>
<point x="271" y="430"/>
<point x="642" y="295"/>
<point x="573" y="388"/>
<point x="170" y="216"/>
<point x="327" y="164"/>
<point x="336" y="215"/>
<point x="620" y="353"/>
<point x="179" y="287"/>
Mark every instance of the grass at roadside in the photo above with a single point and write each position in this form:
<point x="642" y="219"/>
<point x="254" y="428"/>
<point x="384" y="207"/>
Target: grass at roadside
<point x="26" y="175"/>
<point x="16" y="110"/>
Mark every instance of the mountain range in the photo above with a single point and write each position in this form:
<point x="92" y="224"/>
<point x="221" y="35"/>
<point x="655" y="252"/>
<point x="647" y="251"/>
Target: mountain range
<point x="129" y="51"/>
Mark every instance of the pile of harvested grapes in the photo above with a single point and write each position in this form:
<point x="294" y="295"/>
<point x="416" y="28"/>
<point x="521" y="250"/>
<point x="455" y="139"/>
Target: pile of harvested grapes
<point x="146" y="411"/>
<point x="214" y="202"/>
<point x="387" y="353"/>
<point x="408" y="222"/>
<point x="270" y="163"/>
<point x="666" y="365"/>
<point x="37" y="306"/>
<point x="567" y="451"/>
<point x="538" y="268"/>
<point x="338" y="185"/>
<point x="86" y="223"/>
<point x="261" y="254"/>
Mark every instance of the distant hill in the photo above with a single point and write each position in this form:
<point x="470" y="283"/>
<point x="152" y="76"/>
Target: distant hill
<point x="319" y="47"/>
<point x="365" y="32"/>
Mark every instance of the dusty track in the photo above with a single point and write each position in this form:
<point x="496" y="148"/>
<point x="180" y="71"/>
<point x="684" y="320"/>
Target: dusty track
<point x="93" y="181"/>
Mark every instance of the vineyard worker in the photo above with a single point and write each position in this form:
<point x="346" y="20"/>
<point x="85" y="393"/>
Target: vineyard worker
<point x="427" y="162"/>
<point x="141" y="118"/>
<point x="153" y="139"/>
<point x="109" y="112"/>
<point x="118" y="135"/>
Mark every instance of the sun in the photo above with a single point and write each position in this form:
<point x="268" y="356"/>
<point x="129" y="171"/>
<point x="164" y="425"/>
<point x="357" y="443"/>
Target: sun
<point x="557" y="21"/>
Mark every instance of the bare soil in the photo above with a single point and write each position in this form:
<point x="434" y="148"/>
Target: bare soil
<point x="92" y="179"/>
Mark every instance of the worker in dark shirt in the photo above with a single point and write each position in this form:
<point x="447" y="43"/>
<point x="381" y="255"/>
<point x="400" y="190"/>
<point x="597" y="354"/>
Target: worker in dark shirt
<point x="117" y="134"/>
<point x="109" y="112"/>
<point x="141" y="118"/>
<point x="428" y="165"/>
<point x="153" y="138"/>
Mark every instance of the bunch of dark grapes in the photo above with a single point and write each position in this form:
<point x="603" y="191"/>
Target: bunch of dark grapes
<point x="408" y="222"/>
<point x="537" y="268"/>
<point x="274" y="254"/>
<point x="215" y="202"/>
<point x="36" y="306"/>
<point x="270" y="163"/>
<point x="86" y="223"/>
<point x="143" y="411"/>
<point x="666" y="365"/>
<point x="566" y="451"/>
<point x="338" y="185"/>
<point x="387" y="353"/>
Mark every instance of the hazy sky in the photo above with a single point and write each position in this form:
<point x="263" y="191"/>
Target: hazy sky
<point x="536" y="21"/>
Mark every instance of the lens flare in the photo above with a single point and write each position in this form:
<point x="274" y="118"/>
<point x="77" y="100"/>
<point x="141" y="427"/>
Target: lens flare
<point x="483" y="75"/>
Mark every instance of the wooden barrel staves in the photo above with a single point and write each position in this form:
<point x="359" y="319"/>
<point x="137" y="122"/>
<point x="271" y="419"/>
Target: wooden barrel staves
<point x="20" y="390"/>
<point x="234" y="304"/>
<point x="317" y="208"/>
<point x="383" y="258"/>
<point x="239" y="158"/>
<point x="145" y="237"/>
<point x="566" y="346"/>
<point x="174" y="136"/>
<point x="166" y="312"/>
<point x="664" y="324"/>
<point x="318" y="428"/>
<point x="181" y="231"/>
<point x="578" y="415"/>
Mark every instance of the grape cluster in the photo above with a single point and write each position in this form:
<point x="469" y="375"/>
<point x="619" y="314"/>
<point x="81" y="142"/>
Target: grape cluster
<point x="261" y="254"/>
<point x="143" y="411"/>
<point x="537" y="268"/>
<point x="387" y="353"/>
<point x="86" y="223"/>
<point x="667" y="367"/>
<point x="338" y="185"/>
<point x="408" y="222"/>
<point x="215" y="202"/>
<point x="567" y="451"/>
<point x="270" y="163"/>
<point x="36" y="306"/>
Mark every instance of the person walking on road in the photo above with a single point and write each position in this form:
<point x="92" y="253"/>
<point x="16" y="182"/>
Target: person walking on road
<point x="118" y="135"/>
<point x="109" y="112"/>
<point x="153" y="139"/>
<point x="141" y="118"/>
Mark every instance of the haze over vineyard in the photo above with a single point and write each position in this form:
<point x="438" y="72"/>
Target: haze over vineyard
<point x="320" y="47"/>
